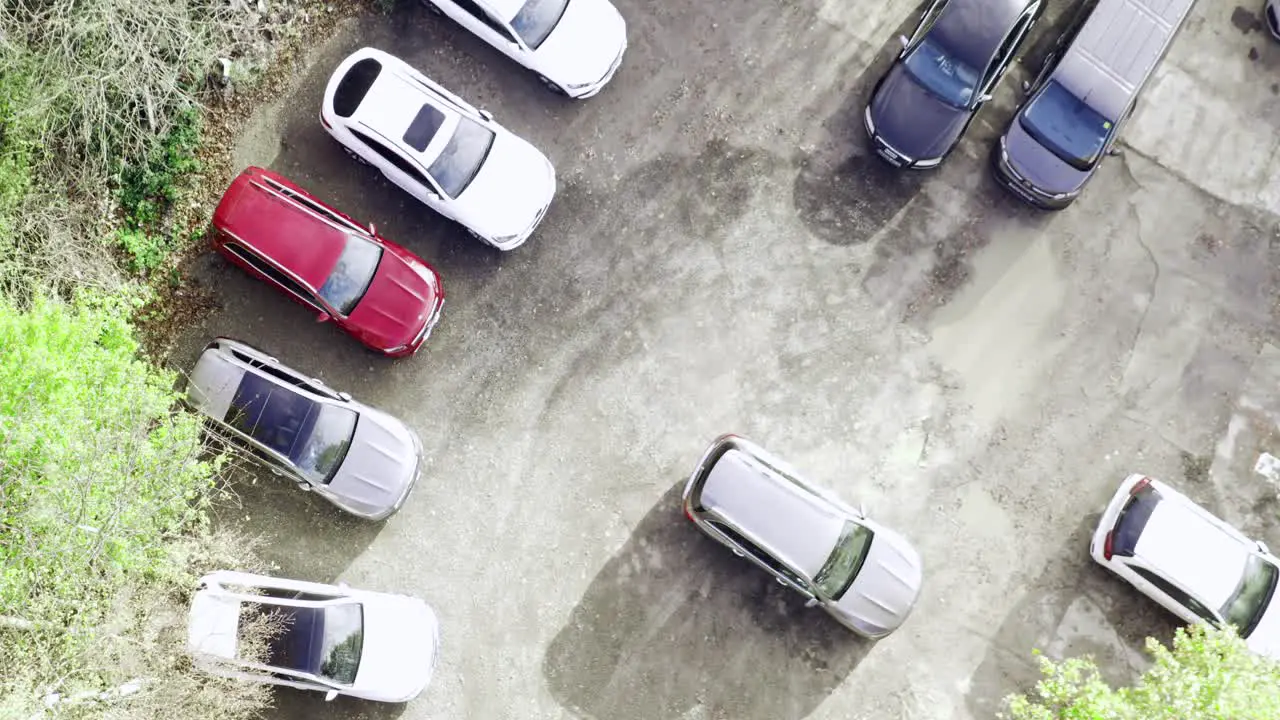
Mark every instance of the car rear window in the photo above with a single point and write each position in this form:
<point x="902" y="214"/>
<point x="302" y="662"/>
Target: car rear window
<point x="425" y="125"/>
<point x="1133" y="519"/>
<point x="354" y="86"/>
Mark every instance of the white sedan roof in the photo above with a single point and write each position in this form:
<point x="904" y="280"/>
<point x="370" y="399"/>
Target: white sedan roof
<point x="390" y="107"/>
<point x="794" y="525"/>
<point x="1193" y="551"/>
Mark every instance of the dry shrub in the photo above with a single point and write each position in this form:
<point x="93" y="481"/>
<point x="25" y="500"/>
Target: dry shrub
<point x="106" y="76"/>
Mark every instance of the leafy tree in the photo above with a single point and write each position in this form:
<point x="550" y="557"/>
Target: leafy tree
<point x="1208" y="674"/>
<point x="103" y="493"/>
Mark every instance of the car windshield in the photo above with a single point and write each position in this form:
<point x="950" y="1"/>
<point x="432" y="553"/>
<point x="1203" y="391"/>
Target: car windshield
<point x="942" y="74"/>
<point x="537" y="19"/>
<point x="324" y="641"/>
<point x="1066" y="126"/>
<point x="835" y="577"/>
<point x="314" y="436"/>
<point x="352" y="274"/>
<point x="456" y="166"/>
<point x="1252" y="596"/>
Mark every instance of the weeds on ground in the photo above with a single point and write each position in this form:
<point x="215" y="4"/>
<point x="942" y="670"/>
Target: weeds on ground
<point x="147" y="188"/>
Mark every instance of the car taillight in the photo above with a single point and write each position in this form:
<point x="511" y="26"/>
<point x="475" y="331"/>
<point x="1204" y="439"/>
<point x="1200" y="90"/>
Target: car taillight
<point x="1140" y="486"/>
<point x="688" y="513"/>
<point x="325" y="122"/>
<point x="1106" y="546"/>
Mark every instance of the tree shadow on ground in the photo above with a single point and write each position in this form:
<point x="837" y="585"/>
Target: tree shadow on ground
<point x="1073" y="608"/>
<point x="675" y="621"/>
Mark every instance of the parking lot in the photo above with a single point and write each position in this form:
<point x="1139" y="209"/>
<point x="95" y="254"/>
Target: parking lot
<point x="723" y="255"/>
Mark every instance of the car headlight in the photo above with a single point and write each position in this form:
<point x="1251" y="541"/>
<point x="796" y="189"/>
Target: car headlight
<point x="866" y="120"/>
<point x="928" y="163"/>
<point x="1004" y="150"/>
<point x="396" y="349"/>
<point x="504" y="239"/>
<point x="580" y="86"/>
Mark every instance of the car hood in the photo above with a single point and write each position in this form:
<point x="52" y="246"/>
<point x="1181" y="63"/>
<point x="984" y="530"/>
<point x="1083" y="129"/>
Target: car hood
<point x="379" y="466"/>
<point x="400" y="648"/>
<point x="888" y="584"/>
<point x="213" y="626"/>
<point x="911" y="120"/>
<point x="1037" y="164"/>
<point x="1265" y="638"/>
<point x="397" y="304"/>
<point x="585" y="43"/>
<point x="511" y="189"/>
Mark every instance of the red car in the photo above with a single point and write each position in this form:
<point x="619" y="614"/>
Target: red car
<point x="384" y="295"/>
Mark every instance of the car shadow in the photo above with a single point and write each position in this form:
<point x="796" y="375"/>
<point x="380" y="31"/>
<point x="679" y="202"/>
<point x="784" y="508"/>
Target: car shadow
<point x="1073" y="608"/>
<point x="301" y="535"/>
<point x="844" y="193"/>
<point x="675" y="621"/>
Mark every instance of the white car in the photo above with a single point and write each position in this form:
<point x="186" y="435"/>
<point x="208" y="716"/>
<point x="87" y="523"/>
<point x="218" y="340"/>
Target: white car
<point x="575" y="46"/>
<point x="336" y="640"/>
<point x="1195" y="565"/>
<point x="436" y="147"/>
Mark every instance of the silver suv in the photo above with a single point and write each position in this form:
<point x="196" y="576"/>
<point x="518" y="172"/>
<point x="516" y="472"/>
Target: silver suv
<point x="356" y="457"/>
<point x="867" y="576"/>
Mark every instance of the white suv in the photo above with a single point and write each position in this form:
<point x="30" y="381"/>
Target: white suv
<point x="1195" y="565"/>
<point x="574" y="46"/>
<point x="439" y="149"/>
<point x="329" y="638"/>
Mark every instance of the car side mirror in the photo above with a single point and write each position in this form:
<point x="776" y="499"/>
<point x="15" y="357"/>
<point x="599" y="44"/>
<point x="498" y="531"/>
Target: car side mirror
<point x="811" y="602"/>
<point x="985" y="97"/>
<point x="862" y="510"/>
<point x="486" y="115"/>
<point x="904" y="41"/>
<point x="304" y="486"/>
<point x="1114" y="151"/>
<point x="1263" y="547"/>
<point x="329" y="696"/>
<point x="373" y="229"/>
<point x="322" y="316"/>
<point x="344" y="396"/>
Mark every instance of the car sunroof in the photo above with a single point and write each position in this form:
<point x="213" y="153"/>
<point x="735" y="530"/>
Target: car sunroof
<point x="424" y="127"/>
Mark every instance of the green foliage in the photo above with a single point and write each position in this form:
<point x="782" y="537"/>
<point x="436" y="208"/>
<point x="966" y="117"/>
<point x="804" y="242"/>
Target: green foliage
<point x="1209" y="674"/>
<point x="149" y="186"/>
<point x="18" y="146"/>
<point x="97" y="470"/>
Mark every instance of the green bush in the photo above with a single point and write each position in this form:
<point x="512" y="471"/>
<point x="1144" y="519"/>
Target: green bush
<point x="104" y="492"/>
<point x="97" y="470"/>
<point x="1208" y="674"/>
<point x="149" y="186"/>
